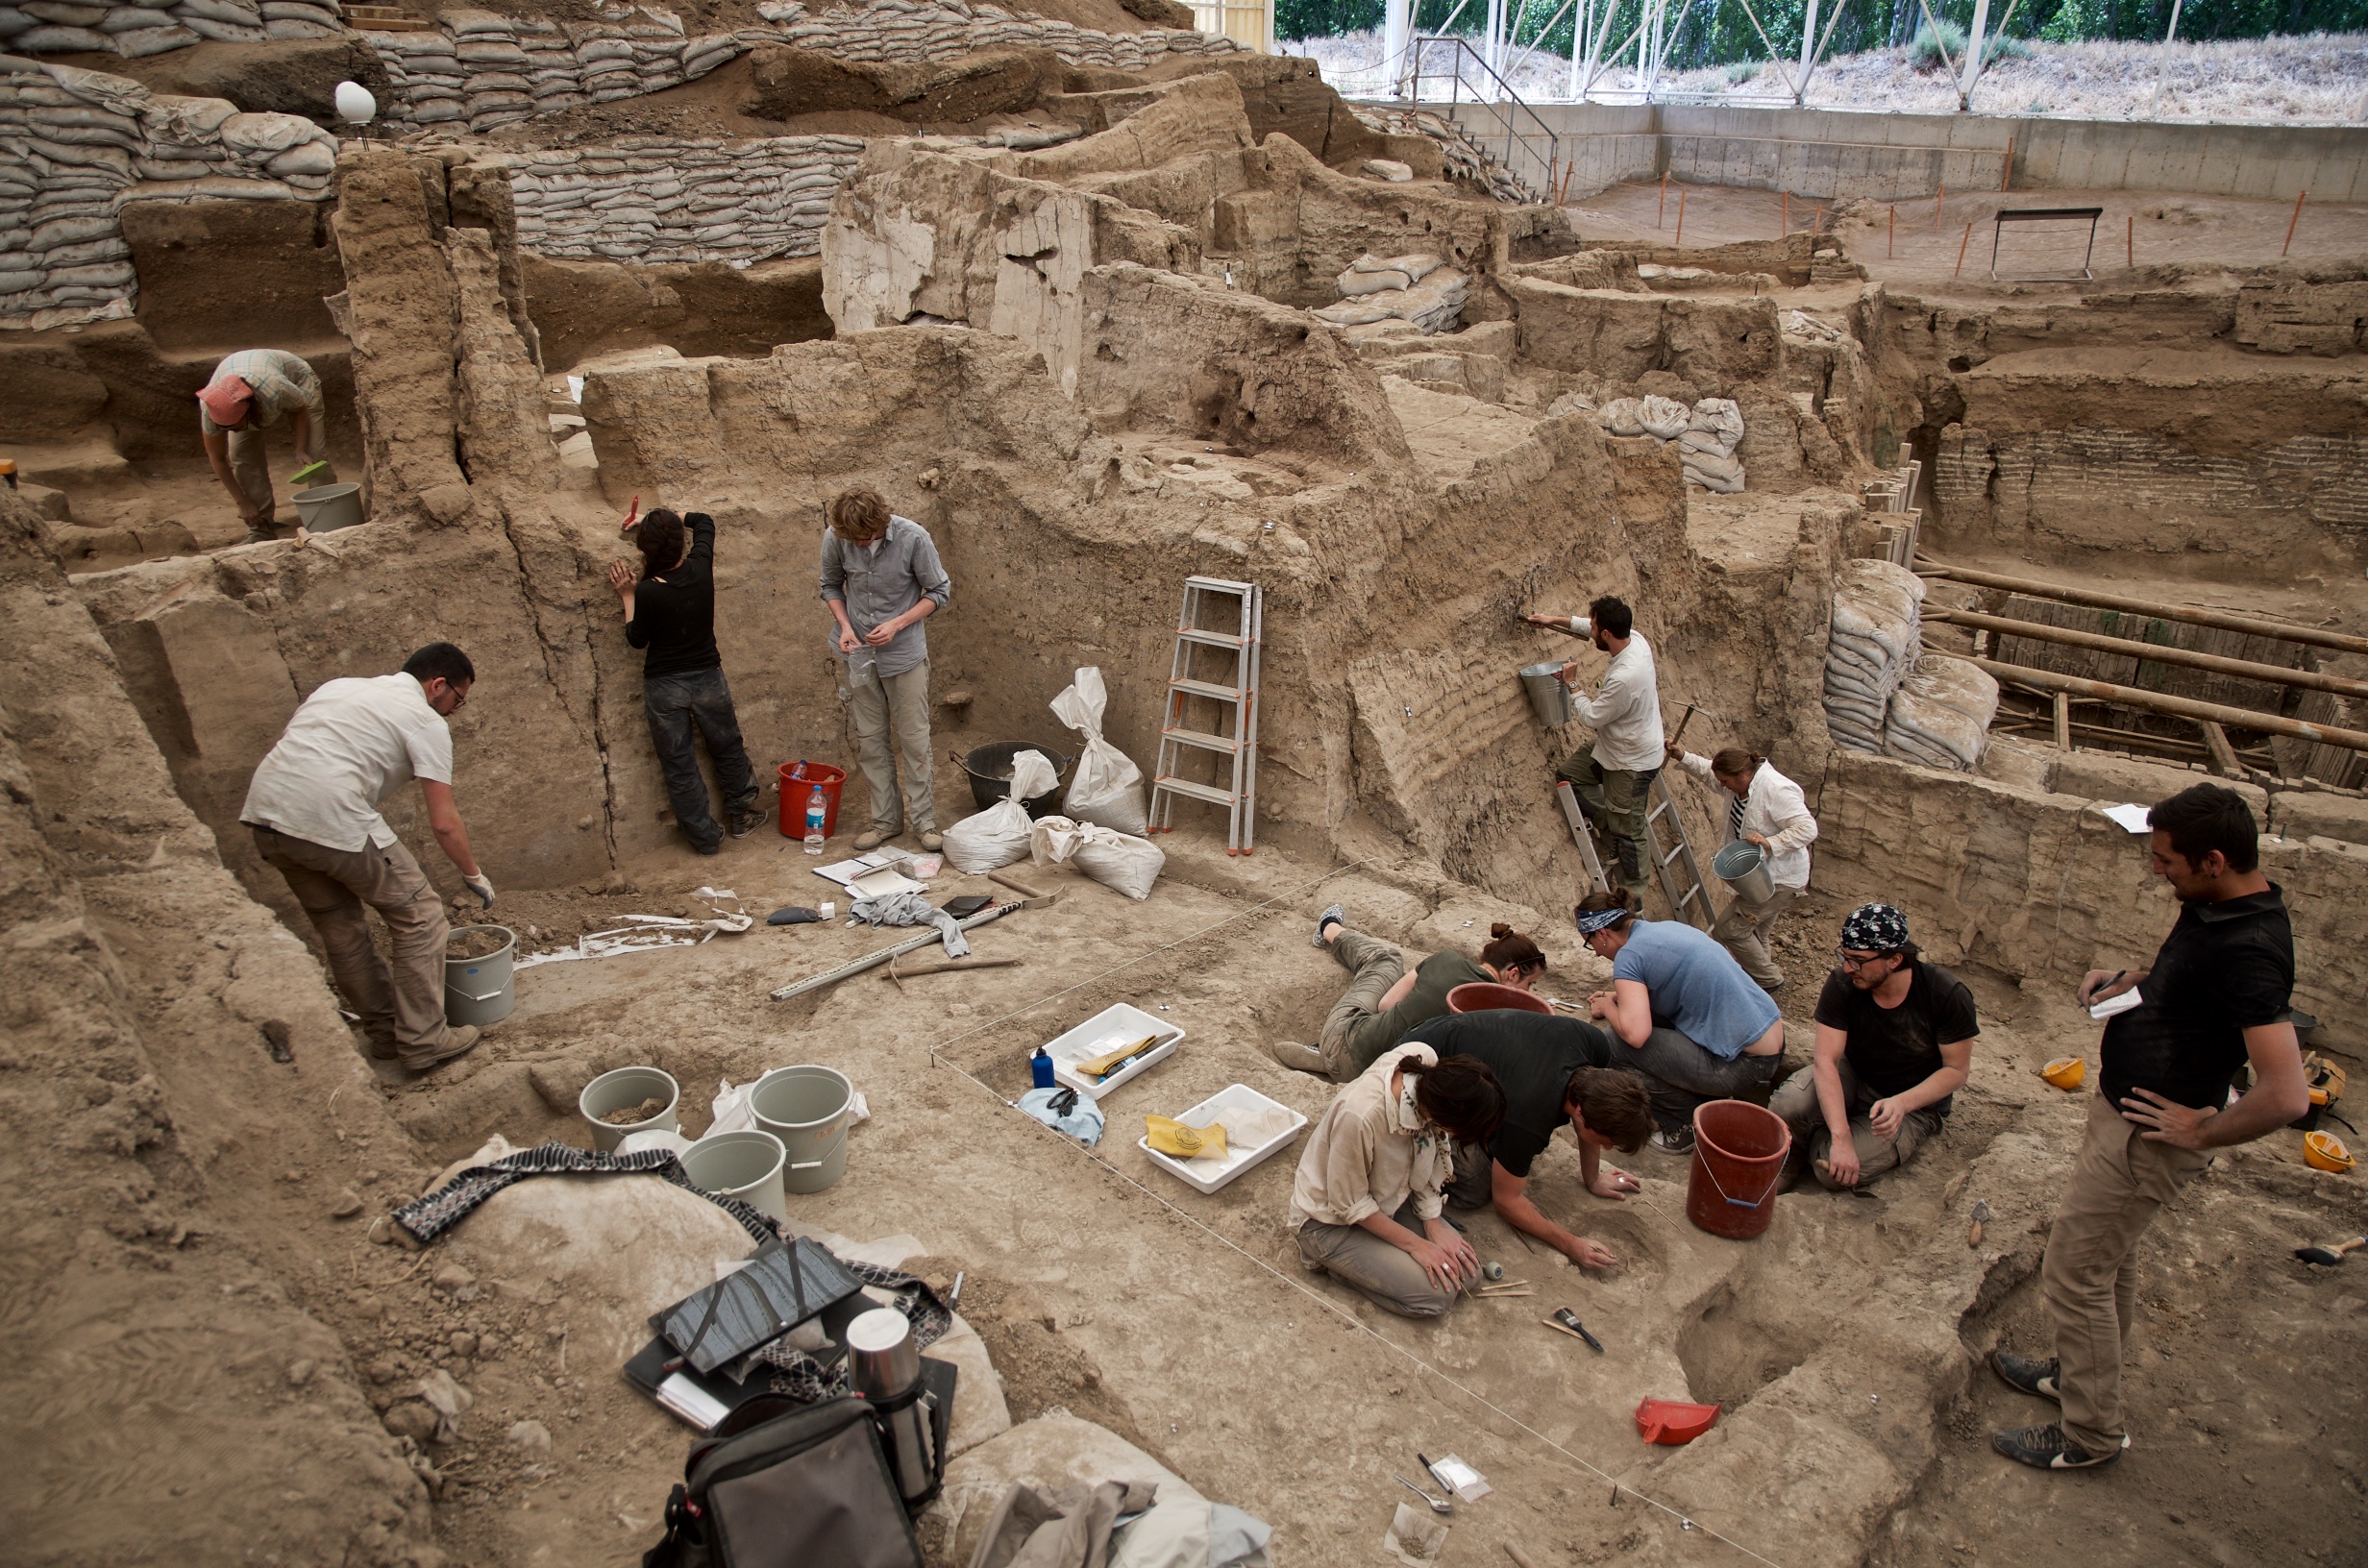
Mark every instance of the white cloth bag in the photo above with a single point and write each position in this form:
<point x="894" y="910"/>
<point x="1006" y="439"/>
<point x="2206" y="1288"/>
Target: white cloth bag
<point x="995" y="836"/>
<point x="1107" y="787"/>
<point x="1114" y="860"/>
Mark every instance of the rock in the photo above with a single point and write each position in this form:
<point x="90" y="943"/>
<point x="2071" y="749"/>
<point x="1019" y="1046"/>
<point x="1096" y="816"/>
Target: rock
<point x="300" y="1373"/>
<point x="531" y="1436"/>
<point x="464" y="1343"/>
<point x="448" y="1402"/>
<point x="1390" y="169"/>
<point x="559" y="1083"/>
<point x="384" y="1370"/>
<point x="347" y="1204"/>
<point x="412" y="1419"/>
<point x="450" y="1277"/>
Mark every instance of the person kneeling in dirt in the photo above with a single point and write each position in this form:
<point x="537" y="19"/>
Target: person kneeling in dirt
<point x="1384" y="1000"/>
<point x="1724" y="1038"/>
<point x="314" y="808"/>
<point x="253" y="391"/>
<point x="2214" y="1003"/>
<point x="1895" y="1037"/>
<point x="1366" y="1201"/>
<point x="670" y="610"/>
<point x="881" y="577"/>
<point x="1553" y="1070"/>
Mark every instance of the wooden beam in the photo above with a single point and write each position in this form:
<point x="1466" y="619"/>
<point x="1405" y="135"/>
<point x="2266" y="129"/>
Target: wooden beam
<point x="2219" y="664"/>
<point x="2226" y="620"/>
<point x="2132" y="696"/>
<point x="2063" y="721"/>
<point x="2223" y="755"/>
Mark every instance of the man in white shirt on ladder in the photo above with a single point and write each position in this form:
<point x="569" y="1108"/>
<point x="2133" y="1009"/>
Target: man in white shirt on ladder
<point x="1613" y="774"/>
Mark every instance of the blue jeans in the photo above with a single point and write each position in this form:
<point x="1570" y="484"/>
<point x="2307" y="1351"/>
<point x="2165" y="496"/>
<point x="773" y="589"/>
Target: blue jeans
<point x="676" y="703"/>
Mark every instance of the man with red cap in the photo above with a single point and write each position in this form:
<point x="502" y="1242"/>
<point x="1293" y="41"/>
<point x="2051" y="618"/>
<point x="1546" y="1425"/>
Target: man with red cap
<point x="252" y="391"/>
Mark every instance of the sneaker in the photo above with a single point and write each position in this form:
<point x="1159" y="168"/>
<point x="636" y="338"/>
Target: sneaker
<point x="2047" y="1448"/>
<point x="873" y="837"/>
<point x="931" y="840"/>
<point x="744" y="824"/>
<point x="709" y="848"/>
<point x="1675" y="1141"/>
<point x="1299" y="1058"/>
<point x="1334" y="916"/>
<point x="2028" y="1374"/>
<point x="463" y="1041"/>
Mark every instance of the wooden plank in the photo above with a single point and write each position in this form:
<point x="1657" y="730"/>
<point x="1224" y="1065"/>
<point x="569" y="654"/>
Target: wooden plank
<point x="2194" y="615"/>
<point x="2223" y="755"/>
<point x="2048" y="681"/>
<point x="2125" y="647"/>
<point x="2063" y="721"/>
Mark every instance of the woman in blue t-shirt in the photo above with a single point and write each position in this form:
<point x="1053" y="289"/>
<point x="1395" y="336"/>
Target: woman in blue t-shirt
<point x="1697" y="1027"/>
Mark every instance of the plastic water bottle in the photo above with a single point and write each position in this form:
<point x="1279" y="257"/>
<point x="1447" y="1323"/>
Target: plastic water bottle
<point x="816" y="809"/>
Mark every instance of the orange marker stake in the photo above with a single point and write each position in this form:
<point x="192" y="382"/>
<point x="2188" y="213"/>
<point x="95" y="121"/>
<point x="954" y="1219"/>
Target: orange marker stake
<point x="2292" y="221"/>
<point x="1681" y="216"/>
<point x="1960" y="251"/>
<point x="1890" y="241"/>
<point x="1939" y="198"/>
<point x="1662" y="212"/>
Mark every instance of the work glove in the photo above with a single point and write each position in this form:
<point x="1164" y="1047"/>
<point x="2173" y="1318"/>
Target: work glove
<point x="480" y="885"/>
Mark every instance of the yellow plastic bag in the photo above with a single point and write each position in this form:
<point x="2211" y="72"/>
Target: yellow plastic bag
<point x="1170" y="1136"/>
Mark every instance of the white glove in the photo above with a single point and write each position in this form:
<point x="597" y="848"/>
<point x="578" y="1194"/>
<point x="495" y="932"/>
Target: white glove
<point x="480" y="885"/>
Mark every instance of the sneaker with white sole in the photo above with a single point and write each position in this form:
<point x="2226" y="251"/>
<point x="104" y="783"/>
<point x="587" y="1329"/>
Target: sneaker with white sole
<point x="1674" y="1140"/>
<point x="2047" y="1448"/>
<point x="1335" y="914"/>
<point x="2028" y="1374"/>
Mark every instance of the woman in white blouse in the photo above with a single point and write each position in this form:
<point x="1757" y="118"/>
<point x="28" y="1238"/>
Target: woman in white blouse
<point x="1767" y="809"/>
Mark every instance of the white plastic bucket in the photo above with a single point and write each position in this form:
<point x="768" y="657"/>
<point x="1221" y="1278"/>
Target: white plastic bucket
<point x="807" y="1109"/>
<point x="326" y="507"/>
<point x="478" y="990"/>
<point x="746" y="1165"/>
<point x="625" y="1087"/>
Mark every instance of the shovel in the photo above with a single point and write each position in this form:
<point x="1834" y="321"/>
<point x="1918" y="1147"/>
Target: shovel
<point x="2329" y="1257"/>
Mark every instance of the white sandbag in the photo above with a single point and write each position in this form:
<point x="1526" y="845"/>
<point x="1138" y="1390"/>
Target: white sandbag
<point x="1954" y="683"/>
<point x="1115" y="860"/>
<point x="1663" y="417"/>
<point x="1622" y="416"/>
<point x="995" y="836"/>
<point x="1714" y="472"/>
<point x="1719" y="417"/>
<point x="1107" y="787"/>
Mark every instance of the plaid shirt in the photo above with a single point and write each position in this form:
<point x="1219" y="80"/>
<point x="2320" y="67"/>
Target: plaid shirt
<point x="283" y="384"/>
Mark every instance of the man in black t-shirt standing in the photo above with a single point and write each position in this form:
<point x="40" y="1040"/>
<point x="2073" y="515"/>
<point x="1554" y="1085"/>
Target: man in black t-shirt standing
<point x="1894" y="1040"/>
<point x="2213" y="1001"/>
<point x="668" y="608"/>
<point x="1553" y="1070"/>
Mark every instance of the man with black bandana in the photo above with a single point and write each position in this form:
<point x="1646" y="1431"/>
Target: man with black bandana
<point x="2213" y="1001"/>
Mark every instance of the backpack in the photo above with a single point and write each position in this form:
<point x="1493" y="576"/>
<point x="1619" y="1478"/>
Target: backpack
<point x="809" y="1488"/>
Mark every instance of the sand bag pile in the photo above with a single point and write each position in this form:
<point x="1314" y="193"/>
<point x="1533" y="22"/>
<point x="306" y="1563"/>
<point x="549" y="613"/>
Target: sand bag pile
<point x="1420" y="289"/>
<point x="489" y="71"/>
<point x="1878" y="608"/>
<point x="1706" y="434"/>
<point x="1464" y="159"/>
<point x="49" y="27"/>
<point x="908" y="31"/>
<point x="675" y="199"/>
<point x="81" y="145"/>
<point x="1940" y="714"/>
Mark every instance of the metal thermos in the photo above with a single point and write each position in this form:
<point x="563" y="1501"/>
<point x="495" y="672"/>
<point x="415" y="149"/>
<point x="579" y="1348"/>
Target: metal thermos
<point x="883" y="1363"/>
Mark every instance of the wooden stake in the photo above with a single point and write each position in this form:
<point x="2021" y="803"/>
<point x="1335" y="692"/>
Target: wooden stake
<point x="1680" y="217"/>
<point x="2292" y="221"/>
<point x="2007" y="173"/>
<point x="1662" y="212"/>
<point x="2223" y="755"/>
<point x="2063" y="721"/>
<point x="2130" y="243"/>
<point x="1890" y="241"/>
<point x="1960" y="250"/>
<point x="1940" y="199"/>
<point x="1816" y="225"/>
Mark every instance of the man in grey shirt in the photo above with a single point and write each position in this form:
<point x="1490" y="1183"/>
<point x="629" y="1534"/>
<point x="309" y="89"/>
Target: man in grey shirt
<point x="882" y="579"/>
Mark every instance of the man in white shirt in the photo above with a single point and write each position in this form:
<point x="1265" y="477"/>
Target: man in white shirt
<point x="1765" y="808"/>
<point x="313" y="807"/>
<point x="1613" y="774"/>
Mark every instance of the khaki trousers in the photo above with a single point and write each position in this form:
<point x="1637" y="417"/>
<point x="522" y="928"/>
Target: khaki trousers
<point x="251" y="467"/>
<point x="1743" y="930"/>
<point x="1383" y="1272"/>
<point x="1796" y="1102"/>
<point x="890" y="715"/>
<point x="2090" y="1277"/>
<point x="403" y="1010"/>
<point x="1616" y="800"/>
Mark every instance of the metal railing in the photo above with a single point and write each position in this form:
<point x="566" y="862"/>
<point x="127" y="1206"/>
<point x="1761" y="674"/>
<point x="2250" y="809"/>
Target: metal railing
<point x="1464" y="70"/>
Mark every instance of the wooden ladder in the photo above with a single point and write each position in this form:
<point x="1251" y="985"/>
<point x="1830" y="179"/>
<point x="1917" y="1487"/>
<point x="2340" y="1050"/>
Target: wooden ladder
<point x="1683" y="885"/>
<point x="1227" y="708"/>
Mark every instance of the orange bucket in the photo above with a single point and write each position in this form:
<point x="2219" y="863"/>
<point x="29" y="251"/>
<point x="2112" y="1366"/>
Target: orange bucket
<point x="1739" y="1157"/>
<point x="798" y="781"/>
<point x="1484" y="997"/>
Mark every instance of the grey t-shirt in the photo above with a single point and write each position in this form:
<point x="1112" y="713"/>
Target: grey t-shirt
<point x="882" y="580"/>
<point x="1695" y="986"/>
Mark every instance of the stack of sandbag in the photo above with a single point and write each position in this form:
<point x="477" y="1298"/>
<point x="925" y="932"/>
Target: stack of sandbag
<point x="1115" y="860"/>
<point x="1419" y="289"/>
<point x="1706" y="434"/>
<point x="913" y="31"/>
<point x="1878" y="608"/>
<point x="680" y="199"/>
<point x="1940" y="714"/>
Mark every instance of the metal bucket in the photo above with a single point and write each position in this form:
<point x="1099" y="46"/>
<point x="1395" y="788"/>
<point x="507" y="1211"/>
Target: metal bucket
<point x="807" y="1107"/>
<point x="329" y="506"/>
<point x="1743" y="867"/>
<point x="627" y="1085"/>
<point x="746" y="1165"/>
<point x="1548" y="698"/>
<point x="478" y="990"/>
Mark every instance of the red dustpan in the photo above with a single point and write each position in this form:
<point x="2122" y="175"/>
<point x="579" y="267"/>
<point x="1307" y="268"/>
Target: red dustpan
<point x="1673" y="1422"/>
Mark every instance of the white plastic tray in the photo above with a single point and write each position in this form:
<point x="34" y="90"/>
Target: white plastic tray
<point x="1208" y="1175"/>
<point x="1100" y="1035"/>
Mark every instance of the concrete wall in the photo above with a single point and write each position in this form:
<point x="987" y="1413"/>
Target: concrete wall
<point x="1839" y="153"/>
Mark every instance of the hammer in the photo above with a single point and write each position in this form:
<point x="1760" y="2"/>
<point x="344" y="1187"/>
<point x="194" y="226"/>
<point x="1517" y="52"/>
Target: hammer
<point x="2329" y="1257"/>
<point x="950" y="967"/>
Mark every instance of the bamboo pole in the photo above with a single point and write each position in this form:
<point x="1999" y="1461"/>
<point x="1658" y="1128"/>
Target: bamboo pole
<point x="2130" y="697"/>
<point x="2292" y="221"/>
<point x="2153" y="652"/>
<point x="1680" y="237"/>
<point x="2226" y="620"/>
<point x="1960" y="251"/>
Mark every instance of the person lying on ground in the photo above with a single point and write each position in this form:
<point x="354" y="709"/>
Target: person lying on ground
<point x="2214" y="1003"/>
<point x="1384" y="999"/>
<point x="1613" y="774"/>
<point x="1367" y="1201"/>
<point x="669" y="604"/>
<point x="1723" y="1037"/>
<point x="1895" y="1039"/>
<point x="1555" y="1071"/>
<point x="1767" y="809"/>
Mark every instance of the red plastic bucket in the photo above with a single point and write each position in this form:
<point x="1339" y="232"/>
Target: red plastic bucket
<point x="1739" y="1157"/>
<point x="1483" y="996"/>
<point x="798" y="781"/>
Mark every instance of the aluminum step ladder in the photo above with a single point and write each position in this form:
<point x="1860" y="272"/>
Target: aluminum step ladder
<point x="1683" y="885"/>
<point x="1213" y="710"/>
<point x="1583" y="836"/>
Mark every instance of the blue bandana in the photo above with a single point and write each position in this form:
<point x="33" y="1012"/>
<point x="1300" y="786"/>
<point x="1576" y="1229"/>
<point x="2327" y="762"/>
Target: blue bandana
<point x="1592" y="921"/>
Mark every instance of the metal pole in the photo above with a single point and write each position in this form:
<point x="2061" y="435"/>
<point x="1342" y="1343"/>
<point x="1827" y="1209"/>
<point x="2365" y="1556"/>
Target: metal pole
<point x="1973" y="55"/>
<point x="1809" y="46"/>
<point x="2132" y="696"/>
<point x="2155" y="104"/>
<point x="2193" y="615"/>
<point x="1397" y="24"/>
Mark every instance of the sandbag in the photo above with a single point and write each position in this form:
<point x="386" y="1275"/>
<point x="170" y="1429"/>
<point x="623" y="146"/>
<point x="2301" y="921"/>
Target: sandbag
<point x="1107" y="787"/>
<point x="1115" y="860"/>
<point x="995" y="836"/>
<point x="1664" y="417"/>
<point x="1622" y="416"/>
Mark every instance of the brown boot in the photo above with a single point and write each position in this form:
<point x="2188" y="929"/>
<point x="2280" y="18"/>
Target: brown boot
<point x="457" y="1043"/>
